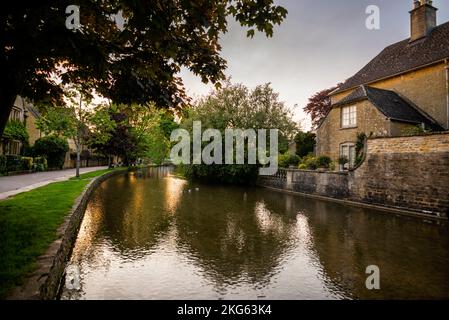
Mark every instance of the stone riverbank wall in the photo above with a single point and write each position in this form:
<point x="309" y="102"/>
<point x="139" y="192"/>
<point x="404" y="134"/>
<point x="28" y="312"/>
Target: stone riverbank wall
<point x="410" y="173"/>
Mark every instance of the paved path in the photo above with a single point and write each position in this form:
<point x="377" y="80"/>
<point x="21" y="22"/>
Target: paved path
<point x="12" y="185"/>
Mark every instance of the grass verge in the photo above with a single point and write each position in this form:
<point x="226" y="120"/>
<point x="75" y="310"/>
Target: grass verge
<point x="28" y="225"/>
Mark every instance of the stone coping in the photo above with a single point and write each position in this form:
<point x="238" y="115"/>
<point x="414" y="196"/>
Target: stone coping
<point x="313" y="171"/>
<point x="44" y="283"/>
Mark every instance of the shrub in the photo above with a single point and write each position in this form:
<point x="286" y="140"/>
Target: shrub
<point x="415" y="131"/>
<point x="332" y="166"/>
<point x="40" y="164"/>
<point x="26" y="163"/>
<point x="287" y="159"/>
<point x="302" y="166"/>
<point x="13" y="163"/>
<point x="323" y="162"/>
<point x="310" y="162"/>
<point x="16" y="130"/>
<point x="53" y="148"/>
<point x="240" y="174"/>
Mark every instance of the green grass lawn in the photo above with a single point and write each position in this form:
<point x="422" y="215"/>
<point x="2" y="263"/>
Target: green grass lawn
<point x="28" y="225"/>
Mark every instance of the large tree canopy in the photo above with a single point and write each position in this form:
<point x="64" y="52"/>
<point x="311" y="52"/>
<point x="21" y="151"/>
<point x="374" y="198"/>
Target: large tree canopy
<point x="128" y="51"/>
<point x="235" y="106"/>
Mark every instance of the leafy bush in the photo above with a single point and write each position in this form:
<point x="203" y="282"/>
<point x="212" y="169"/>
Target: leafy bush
<point x="310" y="162"/>
<point x="13" y="163"/>
<point x="16" y="130"/>
<point x="305" y="143"/>
<point x="302" y="166"/>
<point x="26" y="163"/>
<point x="415" y="131"/>
<point x="332" y="166"/>
<point x="40" y="164"/>
<point x="53" y="148"/>
<point x="323" y="162"/>
<point x="287" y="159"/>
<point x="244" y="174"/>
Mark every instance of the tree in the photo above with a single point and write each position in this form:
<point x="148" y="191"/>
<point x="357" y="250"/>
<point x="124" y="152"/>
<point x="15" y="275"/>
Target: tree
<point x="319" y="105"/>
<point x="15" y="130"/>
<point x="120" y="141"/>
<point x="237" y="107"/>
<point x="53" y="148"/>
<point x="151" y="128"/>
<point x="69" y="121"/>
<point x="129" y="51"/>
<point x="305" y="143"/>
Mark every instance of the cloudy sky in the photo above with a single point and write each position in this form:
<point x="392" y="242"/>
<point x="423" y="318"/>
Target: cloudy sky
<point x="321" y="43"/>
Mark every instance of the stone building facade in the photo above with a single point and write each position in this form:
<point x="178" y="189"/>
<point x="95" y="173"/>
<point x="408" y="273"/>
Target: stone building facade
<point x="22" y="111"/>
<point x="405" y="86"/>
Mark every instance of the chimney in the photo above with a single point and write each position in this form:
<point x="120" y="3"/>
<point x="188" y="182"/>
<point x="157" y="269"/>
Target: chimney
<point x="423" y="19"/>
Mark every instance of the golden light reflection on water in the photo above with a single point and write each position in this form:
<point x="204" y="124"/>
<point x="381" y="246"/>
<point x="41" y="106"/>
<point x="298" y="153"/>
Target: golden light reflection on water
<point x="173" y="193"/>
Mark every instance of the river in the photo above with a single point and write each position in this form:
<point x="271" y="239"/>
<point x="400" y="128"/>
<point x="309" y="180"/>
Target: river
<point x="151" y="235"/>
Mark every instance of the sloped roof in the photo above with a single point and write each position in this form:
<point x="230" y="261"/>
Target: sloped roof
<point x="34" y="111"/>
<point x="403" y="56"/>
<point x="391" y="105"/>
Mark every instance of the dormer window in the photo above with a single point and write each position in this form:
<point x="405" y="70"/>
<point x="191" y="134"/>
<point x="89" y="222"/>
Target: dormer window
<point x="349" y="117"/>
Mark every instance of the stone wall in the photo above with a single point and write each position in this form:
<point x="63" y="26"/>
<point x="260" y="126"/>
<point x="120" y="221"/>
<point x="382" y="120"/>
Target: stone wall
<point x="330" y="134"/>
<point x="331" y="184"/>
<point x="33" y="131"/>
<point x="409" y="173"/>
<point x="45" y="281"/>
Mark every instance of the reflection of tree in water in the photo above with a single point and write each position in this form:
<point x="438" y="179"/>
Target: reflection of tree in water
<point x="136" y="214"/>
<point x="233" y="235"/>
<point x="412" y="255"/>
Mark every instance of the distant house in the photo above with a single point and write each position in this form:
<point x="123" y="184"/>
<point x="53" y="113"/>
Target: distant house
<point x="22" y="111"/>
<point x="405" y="86"/>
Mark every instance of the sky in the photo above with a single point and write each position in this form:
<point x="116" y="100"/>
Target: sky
<point x="321" y="43"/>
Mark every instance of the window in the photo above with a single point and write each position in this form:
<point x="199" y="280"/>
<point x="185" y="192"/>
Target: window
<point x="348" y="117"/>
<point x="348" y="150"/>
<point x="15" y="114"/>
<point x="13" y="147"/>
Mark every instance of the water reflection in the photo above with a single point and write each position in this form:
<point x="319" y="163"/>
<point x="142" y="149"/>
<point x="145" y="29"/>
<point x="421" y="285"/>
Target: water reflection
<point x="149" y="235"/>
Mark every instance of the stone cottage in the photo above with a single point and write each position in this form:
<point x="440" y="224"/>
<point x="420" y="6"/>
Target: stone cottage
<point x="405" y="86"/>
<point x="23" y="111"/>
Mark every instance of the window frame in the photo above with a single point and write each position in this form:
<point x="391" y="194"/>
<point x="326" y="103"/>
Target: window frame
<point x="348" y="115"/>
<point x="350" y="154"/>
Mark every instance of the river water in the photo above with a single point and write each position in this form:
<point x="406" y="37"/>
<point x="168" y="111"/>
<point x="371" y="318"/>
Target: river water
<point x="151" y="235"/>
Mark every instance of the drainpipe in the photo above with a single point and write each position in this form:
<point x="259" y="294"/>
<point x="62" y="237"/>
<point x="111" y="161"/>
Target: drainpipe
<point x="447" y="92"/>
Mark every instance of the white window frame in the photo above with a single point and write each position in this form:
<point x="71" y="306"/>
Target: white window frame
<point x="349" y="117"/>
<point x="348" y="150"/>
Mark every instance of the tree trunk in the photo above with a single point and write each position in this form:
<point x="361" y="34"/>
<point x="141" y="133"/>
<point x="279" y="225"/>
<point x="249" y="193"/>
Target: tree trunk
<point x="78" y="156"/>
